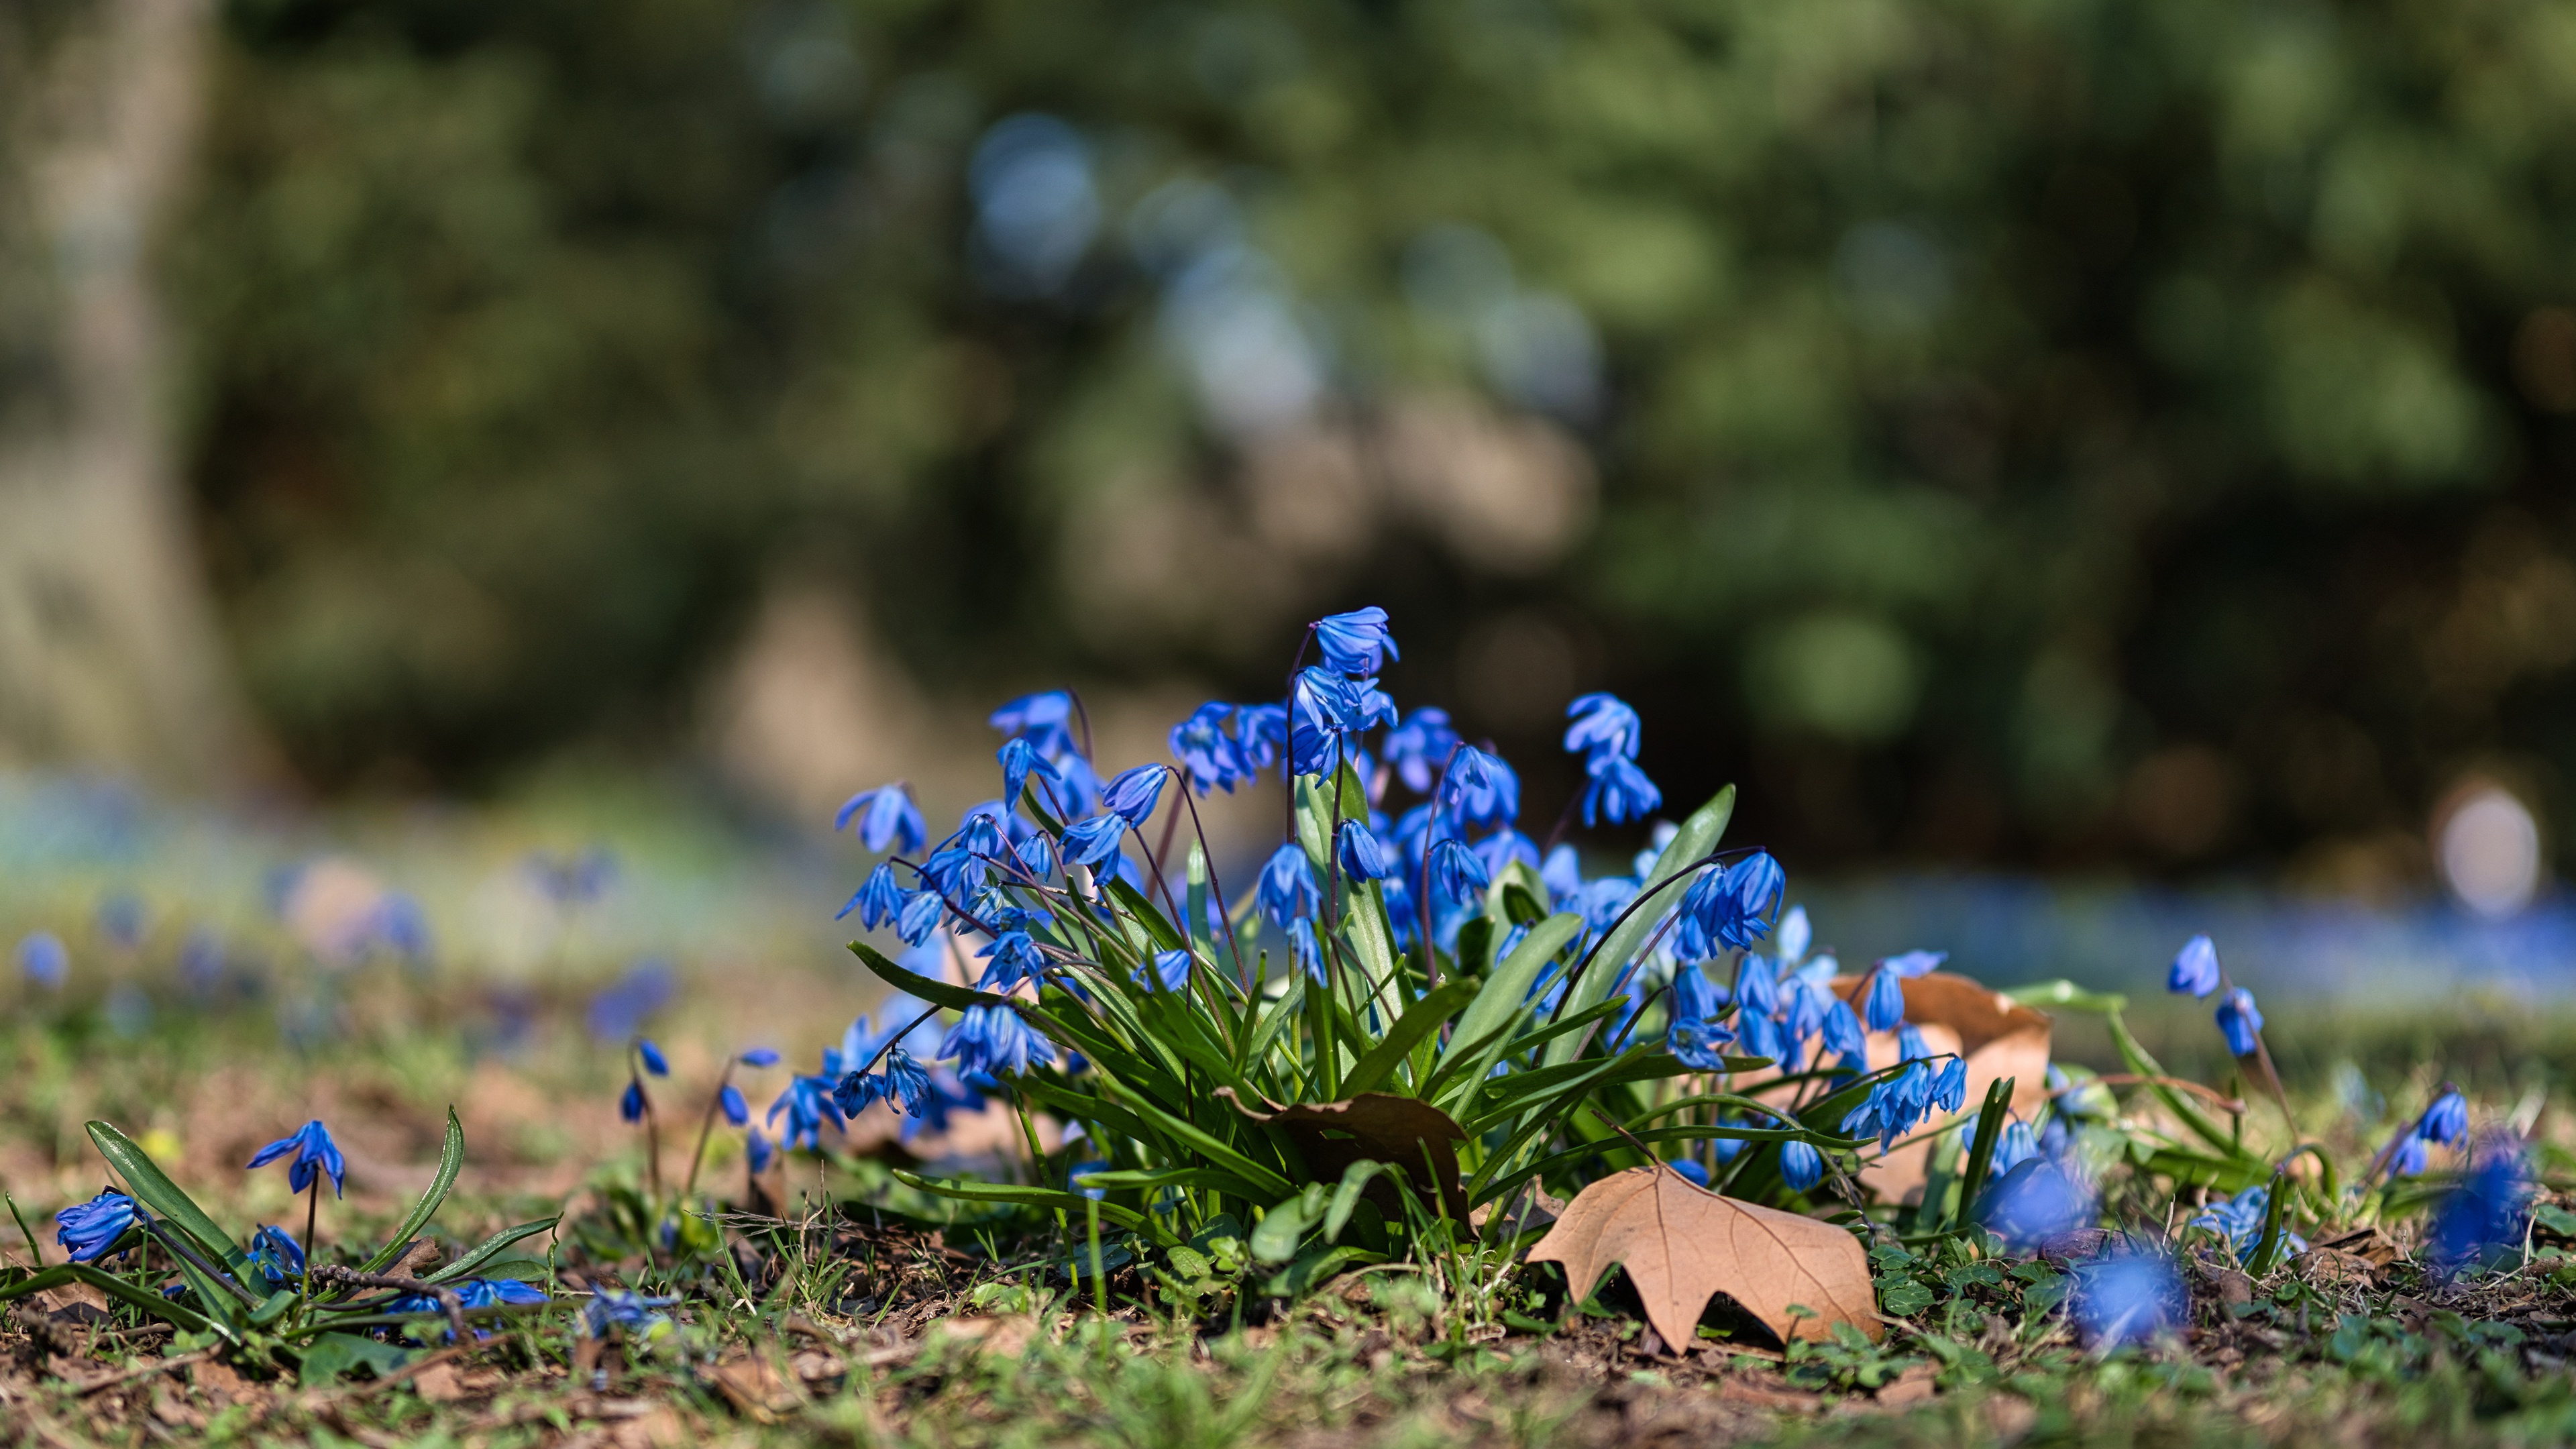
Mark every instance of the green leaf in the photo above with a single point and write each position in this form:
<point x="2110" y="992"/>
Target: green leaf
<point x="1293" y="1280"/>
<point x="1205" y="1179"/>
<point x="966" y="1190"/>
<point x="1346" y="1197"/>
<point x="1275" y="1237"/>
<point x="330" y="1355"/>
<point x="451" y="1161"/>
<point x="1697" y="837"/>
<point x="2067" y="994"/>
<point x="1504" y="1000"/>
<point x="937" y="993"/>
<point x="489" y="1248"/>
<point x="519" y="1270"/>
<point x="1420" y="1020"/>
<point x="153" y="1304"/>
<point x="154" y="1189"/>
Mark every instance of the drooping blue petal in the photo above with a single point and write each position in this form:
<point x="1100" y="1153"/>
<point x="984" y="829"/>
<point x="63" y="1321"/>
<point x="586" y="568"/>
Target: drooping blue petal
<point x="1094" y="840"/>
<point x="1362" y="856"/>
<point x="1356" y="643"/>
<point x="1133" y="795"/>
<point x="2447" y="1120"/>
<point x="1458" y="877"/>
<point x="1420" y="746"/>
<point x="1911" y="964"/>
<point x="1287" y="889"/>
<point x="87" y="1230"/>
<point x="654" y="1061"/>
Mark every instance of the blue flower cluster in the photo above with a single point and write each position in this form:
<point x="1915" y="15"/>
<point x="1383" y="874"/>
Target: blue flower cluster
<point x="2442" y="1124"/>
<point x="2196" y="972"/>
<point x="2239" y="1220"/>
<point x="475" y="1293"/>
<point x="87" y="1231"/>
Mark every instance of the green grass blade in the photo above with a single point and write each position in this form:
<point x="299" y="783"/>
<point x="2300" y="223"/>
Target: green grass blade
<point x="937" y="993"/>
<point x="1697" y="837"/>
<point x="1505" y="997"/>
<point x="153" y="1188"/>
<point x="153" y="1304"/>
<point x="490" y="1248"/>
<point x="1419" y="1021"/>
<point x="451" y="1161"/>
<point x="966" y="1190"/>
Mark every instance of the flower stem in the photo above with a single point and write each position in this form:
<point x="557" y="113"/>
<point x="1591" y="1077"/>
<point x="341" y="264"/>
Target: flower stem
<point x="707" y="1125"/>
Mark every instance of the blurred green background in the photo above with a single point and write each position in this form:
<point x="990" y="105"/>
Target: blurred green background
<point x="2077" y="435"/>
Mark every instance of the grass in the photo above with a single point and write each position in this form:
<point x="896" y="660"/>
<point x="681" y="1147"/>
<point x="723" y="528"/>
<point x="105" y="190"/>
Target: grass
<point x="902" y="1323"/>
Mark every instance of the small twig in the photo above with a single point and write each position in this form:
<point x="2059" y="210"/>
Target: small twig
<point x="447" y="1297"/>
<point x="144" y="1371"/>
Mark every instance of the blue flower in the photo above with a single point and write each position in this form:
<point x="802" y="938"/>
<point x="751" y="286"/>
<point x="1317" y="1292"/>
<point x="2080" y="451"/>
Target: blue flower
<point x="1756" y="988"/>
<point x="2195" y="968"/>
<point x="808" y="1104"/>
<point x="87" y="1230"/>
<point x="1287" y="889"/>
<point x="1213" y="758"/>
<point x="614" y="1308"/>
<point x="1483" y="788"/>
<point x="1689" y="1171"/>
<point x="757" y="1150"/>
<point x="2241" y="1023"/>
<point x="921" y="913"/>
<point x="1094" y="840"/>
<point x="472" y="1293"/>
<point x="993" y="1040"/>
<point x="1303" y="945"/>
<point x="1695" y="1042"/>
<point x="1041" y="718"/>
<point x="1725" y="906"/>
<point x="630" y="1103"/>
<point x="1760" y="1035"/>
<point x="2013" y="1147"/>
<point x="1457" y="877"/>
<point x="2240" y="1221"/>
<point x="1325" y="711"/>
<point x="1015" y="958"/>
<point x="2488" y="1213"/>
<point x="1418" y="747"/>
<point x="857" y="1091"/>
<point x="654" y="1061"/>
<point x="1502" y="848"/>
<point x="1352" y="643"/>
<point x="891" y="818"/>
<point x="1915" y="963"/>
<point x="2410" y="1158"/>
<point x="276" y="1256"/>
<point x="1133" y="795"/>
<point x="1910" y="1046"/>
<point x="1603" y="725"/>
<point x="44" y="959"/>
<point x="878" y="900"/>
<point x="1842" y="1031"/>
<point x="2447" y="1120"/>
<point x="906" y="1082"/>
<point x="1020" y="759"/>
<point x="1261" y="733"/>
<point x="2129" y="1298"/>
<point x="1950" y="1085"/>
<point x="758" y="1057"/>
<point x="1800" y="1165"/>
<point x="1170" y="968"/>
<point x="313" y="1149"/>
<point x="736" y="1110"/>
<point x="1362" y="856"/>
<point x="1035" y="857"/>
<point x="1618" y="789"/>
<point x="1885" y="1006"/>
<point x="2031" y="1202"/>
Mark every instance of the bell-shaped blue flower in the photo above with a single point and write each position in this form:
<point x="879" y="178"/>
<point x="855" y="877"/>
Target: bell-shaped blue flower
<point x="2014" y="1146"/>
<point x="1617" y="790"/>
<point x="1915" y="963"/>
<point x="921" y="914"/>
<point x="2447" y="1120"/>
<point x="879" y="899"/>
<point x="1362" y="856"/>
<point x="994" y="1041"/>
<point x="654" y="1061"/>
<point x="1356" y="643"/>
<point x="756" y="1150"/>
<point x="44" y="959"/>
<point x="2411" y="1156"/>
<point x="2195" y="968"/>
<point x="1884" y="1002"/>
<point x="1482" y="789"/>
<point x="1020" y="761"/>
<point x="1306" y="948"/>
<point x="1910" y="1046"/>
<point x="2488" y="1215"/>
<point x="630" y="1103"/>
<point x="314" y="1152"/>
<point x="1756" y="988"/>
<point x="1841" y="1030"/>
<point x="2240" y="1022"/>
<point x="907" y="1082"/>
<point x="88" y="1230"/>
<point x="808" y="1104"/>
<point x="1287" y="890"/>
<point x="1800" y="1165"/>
<point x="1014" y="958"/>
<point x="1094" y="840"/>
<point x="1500" y="850"/>
<point x="1042" y="718"/>
<point x="736" y="1110"/>
<point x="1458" y="877"/>
<point x="1214" y="758"/>
<point x="276" y="1257"/>
<point x="1133" y="795"/>
<point x="1696" y="1043"/>
<point x="1420" y="746"/>
<point x="1603" y="725"/>
<point x="890" y="818"/>
<point x="1170" y="969"/>
<point x="1950" y="1085"/>
<point x="2031" y="1202"/>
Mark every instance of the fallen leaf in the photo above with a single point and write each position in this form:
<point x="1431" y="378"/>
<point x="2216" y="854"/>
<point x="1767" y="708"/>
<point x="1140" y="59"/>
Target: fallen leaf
<point x="437" y="1384"/>
<point x="1914" y="1386"/>
<point x="1373" y="1126"/>
<point x="1683" y="1245"/>
<point x="1998" y="1036"/>
<point x="755" y="1387"/>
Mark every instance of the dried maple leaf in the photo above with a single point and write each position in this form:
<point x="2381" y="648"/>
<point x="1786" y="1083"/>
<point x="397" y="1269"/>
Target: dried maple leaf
<point x="1998" y="1036"/>
<point x="1683" y="1244"/>
<point x="1380" y="1126"/>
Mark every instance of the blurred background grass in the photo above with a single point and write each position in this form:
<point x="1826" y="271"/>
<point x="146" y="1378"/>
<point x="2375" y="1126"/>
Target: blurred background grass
<point x="2087" y="469"/>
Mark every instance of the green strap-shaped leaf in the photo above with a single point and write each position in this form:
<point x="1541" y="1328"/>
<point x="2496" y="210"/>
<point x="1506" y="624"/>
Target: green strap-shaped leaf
<point x="1346" y="1197"/>
<point x="153" y="1188"/>
<point x="1042" y="1197"/>
<point x="1697" y="837"/>
<point x="490" y="1248"/>
<point x="1504" y="999"/>
<point x="937" y="993"/>
<point x="166" y="1309"/>
<point x="451" y="1161"/>
<point x="1205" y="1179"/>
<point x="1274" y="1022"/>
<point x="1419" y="1021"/>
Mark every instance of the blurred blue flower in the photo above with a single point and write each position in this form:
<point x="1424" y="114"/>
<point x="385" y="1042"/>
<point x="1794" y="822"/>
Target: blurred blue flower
<point x="121" y="919"/>
<point x="808" y="1104"/>
<point x="1800" y="1165"/>
<point x="571" y="880"/>
<point x="1420" y="746"/>
<point x="401" y="926"/>
<point x="1842" y="1032"/>
<point x="1500" y="850"/>
<point x="2240" y="1022"/>
<point x="1910" y="1046"/>
<point x="2488" y="1214"/>
<point x="87" y="1230"/>
<point x="1308" y="951"/>
<point x="922" y="911"/>
<point x="1362" y="856"/>
<point x="1885" y="1000"/>
<point x="1482" y="789"/>
<point x="1041" y="718"/>
<point x="736" y="1110"/>
<point x="44" y="959"/>
<point x="1170" y="968"/>
<point x="2239" y="1220"/>
<point x="473" y="1293"/>
<point x="654" y="1061"/>
<point x="1696" y="1043"/>
<point x="1015" y="958"/>
<point x="313" y="1149"/>
<point x="616" y="1308"/>
<point x="1603" y="725"/>
<point x="1133" y="795"/>
<point x="276" y="1256"/>
<point x="617" y="1011"/>
<point x="1261" y="734"/>
<point x="994" y="1041"/>
<point x="1690" y="1171"/>
<point x="1757" y="988"/>
<point x="1287" y="890"/>
<point x="2195" y="968"/>
<point x="1915" y="963"/>
<point x="2129" y="1298"/>
<point x="1020" y="759"/>
<point x="2447" y="1120"/>
<point x="857" y="1091"/>
<point x="1356" y="643"/>
<point x="1094" y="840"/>
<point x="201" y="961"/>
<point x="2411" y="1156"/>
<point x="1458" y="877"/>
<point x="630" y="1103"/>
<point x="758" y="1057"/>
<point x="879" y="899"/>
<point x="2032" y="1201"/>
<point x="1213" y="758"/>
<point x="2014" y="1146"/>
<point x="757" y="1151"/>
<point x="1617" y="790"/>
<point x="891" y="818"/>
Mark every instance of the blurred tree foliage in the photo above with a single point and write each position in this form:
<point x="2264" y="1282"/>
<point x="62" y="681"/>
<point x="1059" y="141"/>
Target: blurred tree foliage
<point x="2072" y="431"/>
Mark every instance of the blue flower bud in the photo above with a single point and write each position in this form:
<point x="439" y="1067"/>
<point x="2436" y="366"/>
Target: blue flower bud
<point x="2240" y="1022"/>
<point x="1884" y="1007"/>
<point x="1362" y="856"/>
<point x="654" y="1062"/>
<point x="2195" y="968"/>
<point x="1133" y="795"/>
<point x="1800" y="1165"/>
<point x="2447" y="1120"/>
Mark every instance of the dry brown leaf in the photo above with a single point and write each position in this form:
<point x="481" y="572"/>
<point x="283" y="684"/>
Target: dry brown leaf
<point x="1373" y="1126"/>
<point x="438" y="1384"/>
<point x="1683" y="1244"/>
<point x="755" y="1387"/>
<point x="1998" y="1036"/>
